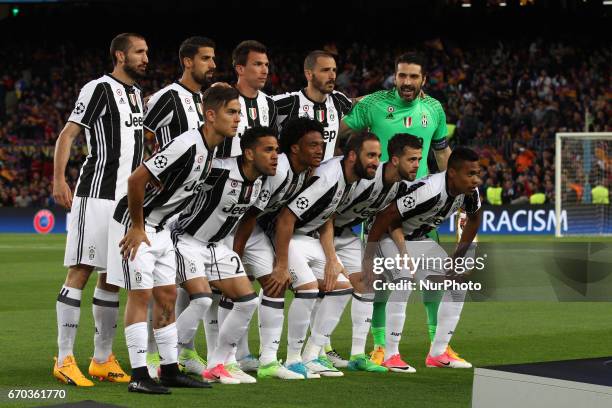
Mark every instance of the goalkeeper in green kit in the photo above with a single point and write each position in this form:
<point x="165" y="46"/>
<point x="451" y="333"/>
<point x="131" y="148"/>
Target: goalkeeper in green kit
<point x="404" y="109"/>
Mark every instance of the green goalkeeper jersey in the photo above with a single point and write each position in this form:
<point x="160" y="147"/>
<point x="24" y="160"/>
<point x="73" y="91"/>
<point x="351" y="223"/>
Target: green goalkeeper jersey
<point x="385" y="113"/>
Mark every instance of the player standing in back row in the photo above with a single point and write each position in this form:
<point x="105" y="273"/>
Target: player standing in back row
<point x="170" y="112"/>
<point x="318" y="101"/>
<point x="110" y="110"/>
<point x="250" y="61"/>
<point x="403" y="110"/>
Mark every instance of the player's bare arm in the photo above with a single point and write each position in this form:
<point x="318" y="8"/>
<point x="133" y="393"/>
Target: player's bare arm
<point x="385" y="220"/>
<point x="285" y="224"/>
<point x="136" y="234"/>
<point x="245" y="229"/>
<point x="442" y="157"/>
<point x="333" y="268"/>
<point x="469" y="233"/>
<point x="61" y="190"/>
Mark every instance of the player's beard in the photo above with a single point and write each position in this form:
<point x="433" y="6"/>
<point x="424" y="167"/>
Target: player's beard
<point x="321" y="86"/>
<point x="406" y="175"/>
<point x="133" y="72"/>
<point x="202" y="80"/>
<point x="361" y="171"/>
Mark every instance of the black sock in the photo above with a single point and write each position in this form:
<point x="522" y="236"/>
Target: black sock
<point x="169" y="370"/>
<point x="140" y="373"/>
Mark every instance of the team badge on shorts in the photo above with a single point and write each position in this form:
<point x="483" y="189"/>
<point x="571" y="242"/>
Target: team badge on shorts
<point x="138" y="276"/>
<point x="92" y="252"/>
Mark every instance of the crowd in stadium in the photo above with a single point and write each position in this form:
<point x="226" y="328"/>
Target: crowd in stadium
<point x="506" y="99"/>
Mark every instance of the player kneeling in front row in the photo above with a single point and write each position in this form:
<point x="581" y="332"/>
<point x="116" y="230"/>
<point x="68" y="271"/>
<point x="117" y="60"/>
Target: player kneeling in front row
<point x="302" y="144"/>
<point x="157" y="190"/>
<point x="368" y="198"/>
<point x="421" y="207"/>
<point x="202" y="257"/>
<point x="305" y="253"/>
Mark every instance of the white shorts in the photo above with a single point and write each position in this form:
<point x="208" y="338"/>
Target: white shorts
<point x="258" y="256"/>
<point x="87" y="238"/>
<point x="349" y="249"/>
<point x="213" y="261"/>
<point x="307" y="261"/>
<point x="432" y="257"/>
<point x="153" y="265"/>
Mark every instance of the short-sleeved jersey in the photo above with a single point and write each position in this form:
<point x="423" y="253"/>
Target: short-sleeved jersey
<point x="368" y="198"/>
<point x="180" y="167"/>
<point x="173" y="110"/>
<point x="111" y="113"/>
<point x="329" y="113"/>
<point x="385" y="114"/>
<point x="325" y="191"/>
<point x="225" y="198"/>
<point x="425" y="204"/>
<point x="278" y="190"/>
<point x="258" y="111"/>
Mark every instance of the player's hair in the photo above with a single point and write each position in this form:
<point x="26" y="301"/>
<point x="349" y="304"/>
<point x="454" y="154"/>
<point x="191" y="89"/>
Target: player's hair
<point x="250" y="137"/>
<point x="217" y="97"/>
<point x="401" y="140"/>
<point x="241" y="52"/>
<point x="461" y="154"/>
<point x="412" y="58"/>
<point x="295" y="129"/>
<point x="356" y="141"/>
<point x="122" y="42"/>
<point x="189" y="48"/>
<point x="311" y="59"/>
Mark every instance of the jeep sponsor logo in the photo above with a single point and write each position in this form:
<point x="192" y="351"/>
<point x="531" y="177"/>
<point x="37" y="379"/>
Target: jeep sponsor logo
<point x="235" y="209"/>
<point x="134" y="120"/>
<point x="329" y="135"/>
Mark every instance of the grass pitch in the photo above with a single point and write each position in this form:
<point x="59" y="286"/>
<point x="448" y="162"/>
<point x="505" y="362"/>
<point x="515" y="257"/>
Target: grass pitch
<point x="489" y="333"/>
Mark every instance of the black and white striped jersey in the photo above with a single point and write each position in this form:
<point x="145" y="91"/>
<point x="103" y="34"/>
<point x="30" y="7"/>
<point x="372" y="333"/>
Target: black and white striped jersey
<point x="180" y="167"/>
<point x="425" y="204"/>
<point x="368" y="198"/>
<point x="329" y="113"/>
<point x="111" y="113"/>
<point x="225" y="198"/>
<point x="173" y="110"/>
<point x="325" y="191"/>
<point x="277" y="190"/>
<point x="259" y="111"/>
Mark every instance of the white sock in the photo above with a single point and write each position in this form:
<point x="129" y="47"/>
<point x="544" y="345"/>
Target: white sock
<point x="315" y="309"/>
<point x="326" y="320"/>
<point x="298" y="320"/>
<point x="167" y="343"/>
<point x="68" y="310"/>
<point x="188" y="322"/>
<point x="151" y="344"/>
<point x="361" y="316"/>
<point x="225" y="307"/>
<point x="136" y="340"/>
<point x="271" y="319"/>
<point x="182" y="303"/>
<point x="448" y="317"/>
<point x="233" y="328"/>
<point x="396" y="316"/>
<point x="242" y="350"/>
<point x="211" y="325"/>
<point x="105" y="311"/>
